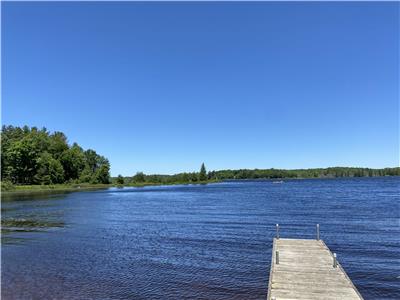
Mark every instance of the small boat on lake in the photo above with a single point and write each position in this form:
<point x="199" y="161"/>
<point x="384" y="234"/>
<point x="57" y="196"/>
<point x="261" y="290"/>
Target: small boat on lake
<point x="277" y="181"/>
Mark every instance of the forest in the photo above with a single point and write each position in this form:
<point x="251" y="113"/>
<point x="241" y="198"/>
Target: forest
<point x="36" y="156"/>
<point x="32" y="156"/>
<point x="332" y="172"/>
<point x="203" y="176"/>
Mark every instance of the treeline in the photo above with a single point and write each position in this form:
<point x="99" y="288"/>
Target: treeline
<point x="36" y="156"/>
<point x="188" y="177"/>
<point x="203" y="176"/>
<point x="333" y="172"/>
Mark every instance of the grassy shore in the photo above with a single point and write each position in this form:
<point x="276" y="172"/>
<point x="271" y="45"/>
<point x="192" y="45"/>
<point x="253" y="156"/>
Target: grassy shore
<point x="55" y="188"/>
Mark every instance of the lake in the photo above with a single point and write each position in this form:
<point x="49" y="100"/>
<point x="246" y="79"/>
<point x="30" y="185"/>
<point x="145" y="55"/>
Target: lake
<point x="196" y="241"/>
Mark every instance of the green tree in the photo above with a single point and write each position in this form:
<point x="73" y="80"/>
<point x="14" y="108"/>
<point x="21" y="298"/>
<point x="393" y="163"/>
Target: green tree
<point x="139" y="177"/>
<point x="30" y="155"/>
<point x="203" y="173"/>
<point x="193" y="177"/>
<point x="73" y="162"/>
<point x="58" y="144"/>
<point x="102" y="174"/>
<point x="97" y="166"/>
<point x="21" y="158"/>
<point x="85" y="175"/>
<point x="120" y="179"/>
<point x="49" y="171"/>
<point x="91" y="159"/>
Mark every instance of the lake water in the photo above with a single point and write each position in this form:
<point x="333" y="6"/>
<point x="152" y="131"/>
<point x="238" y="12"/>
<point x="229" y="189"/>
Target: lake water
<point x="195" y="242"/>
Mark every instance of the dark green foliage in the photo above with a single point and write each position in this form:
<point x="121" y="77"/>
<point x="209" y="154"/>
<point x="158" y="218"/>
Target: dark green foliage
<point x="203" y="173"/>
<point x="91" y="159"/>
<point x="7" y="186"/>
<point x="139" y="177"/>
<point x="49" y="170"/>
<point x="58" y="144"/>
<point x="19" y="161"/>
<point x="32" y="156"/>
<point x="120" y="179"/>
<point x="303" y="173"/>
<point x="73" y="162"/>
<point x="102" y="173"/>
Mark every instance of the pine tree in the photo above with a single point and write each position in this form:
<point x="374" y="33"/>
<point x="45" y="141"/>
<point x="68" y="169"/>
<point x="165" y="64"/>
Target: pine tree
<point x="203" y="173"/>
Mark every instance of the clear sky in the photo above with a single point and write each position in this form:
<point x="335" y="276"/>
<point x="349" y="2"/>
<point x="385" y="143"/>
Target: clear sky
<point x="163" y="87"/>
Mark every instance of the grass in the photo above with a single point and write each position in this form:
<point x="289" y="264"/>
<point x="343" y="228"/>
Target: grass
<point x="59" y="186"/>
<point x="54" y="188"/>
<point x="29" y="223"/>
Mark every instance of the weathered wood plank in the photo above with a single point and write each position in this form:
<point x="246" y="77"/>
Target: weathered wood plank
<point x="305" y="271"/>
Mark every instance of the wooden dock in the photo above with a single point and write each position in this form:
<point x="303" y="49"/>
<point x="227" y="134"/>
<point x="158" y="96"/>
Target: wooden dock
<point x="306" y="269"/>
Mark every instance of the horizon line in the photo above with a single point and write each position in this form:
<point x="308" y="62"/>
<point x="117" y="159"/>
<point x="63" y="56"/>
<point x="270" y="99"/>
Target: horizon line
<point x="236" y="169"/>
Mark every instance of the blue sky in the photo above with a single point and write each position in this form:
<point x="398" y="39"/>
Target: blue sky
<point x="163" y="87"/>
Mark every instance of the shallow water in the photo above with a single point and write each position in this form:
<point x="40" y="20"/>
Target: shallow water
<point x="195" y="242"/>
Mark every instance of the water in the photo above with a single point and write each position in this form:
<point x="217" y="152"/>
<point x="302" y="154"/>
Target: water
<point x="195" y="242"/>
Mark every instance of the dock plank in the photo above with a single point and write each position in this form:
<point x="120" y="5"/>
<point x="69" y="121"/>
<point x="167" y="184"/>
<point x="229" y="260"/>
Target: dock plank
<point x="305" y="271"/>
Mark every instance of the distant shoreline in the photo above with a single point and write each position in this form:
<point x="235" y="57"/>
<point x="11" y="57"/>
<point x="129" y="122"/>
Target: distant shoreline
<point x="61" y="188"/>
<point x="22" y="190"/>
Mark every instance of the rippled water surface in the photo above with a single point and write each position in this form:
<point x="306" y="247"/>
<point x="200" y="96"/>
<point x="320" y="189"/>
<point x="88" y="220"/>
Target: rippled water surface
<point x="195" y="242"/>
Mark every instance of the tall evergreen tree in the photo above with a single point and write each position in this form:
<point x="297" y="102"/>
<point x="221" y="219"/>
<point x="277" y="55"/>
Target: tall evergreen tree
<point x="203" y="173"/>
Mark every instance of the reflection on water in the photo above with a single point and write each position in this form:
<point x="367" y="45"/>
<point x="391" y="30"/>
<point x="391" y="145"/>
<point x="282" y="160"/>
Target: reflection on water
<point x="194" y="242"/>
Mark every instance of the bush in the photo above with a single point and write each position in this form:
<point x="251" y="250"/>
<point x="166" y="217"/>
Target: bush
<point x="7" y="186"/>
